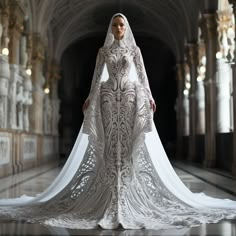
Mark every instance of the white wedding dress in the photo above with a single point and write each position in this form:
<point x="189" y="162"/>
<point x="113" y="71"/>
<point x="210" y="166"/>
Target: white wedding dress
<point x="118" y="173"/>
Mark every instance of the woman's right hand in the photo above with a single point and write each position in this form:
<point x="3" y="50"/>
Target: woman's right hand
<point x="86" y="105"/>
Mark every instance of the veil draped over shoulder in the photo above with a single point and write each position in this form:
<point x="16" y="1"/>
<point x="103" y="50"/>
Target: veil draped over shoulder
<point x="79" y="197"/>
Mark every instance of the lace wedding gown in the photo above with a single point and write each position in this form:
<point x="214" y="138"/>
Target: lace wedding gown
<point x="118" y="172"/>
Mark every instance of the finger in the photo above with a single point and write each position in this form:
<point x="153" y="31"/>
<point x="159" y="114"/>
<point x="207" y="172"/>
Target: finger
<point x="151" y="104"/>
<point x="84" y="106"/>
<point x="87" y="105"/>
<point x="154" y="107"/>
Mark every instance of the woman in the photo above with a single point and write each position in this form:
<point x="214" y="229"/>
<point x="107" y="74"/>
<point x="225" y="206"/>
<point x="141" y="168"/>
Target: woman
<point x="118" y="173"/>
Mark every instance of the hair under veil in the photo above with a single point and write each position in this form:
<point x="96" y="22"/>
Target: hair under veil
<point x="128" y="38"/>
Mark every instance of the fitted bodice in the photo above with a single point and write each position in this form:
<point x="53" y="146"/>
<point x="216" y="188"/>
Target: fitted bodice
<point x="118" y="59"/>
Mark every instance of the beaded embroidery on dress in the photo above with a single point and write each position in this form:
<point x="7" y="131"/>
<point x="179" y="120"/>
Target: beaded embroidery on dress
<point x="118" y="172"/>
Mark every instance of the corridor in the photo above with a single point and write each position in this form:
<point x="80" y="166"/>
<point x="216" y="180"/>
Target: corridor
<point x="212" y="182"/>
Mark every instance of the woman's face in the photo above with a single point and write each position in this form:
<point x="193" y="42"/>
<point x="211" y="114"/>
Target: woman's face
<point x="118" y="27"/>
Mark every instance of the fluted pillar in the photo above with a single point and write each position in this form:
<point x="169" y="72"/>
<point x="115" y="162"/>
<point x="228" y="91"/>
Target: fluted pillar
<point x="179" y="109"/>
<point x="200" y="100"/>
<point x="210" y="37"/>
<point x="4" y="65"/>
<point x="29" y="48"/>
<point x="192" y="56"/>
<point x="186" y="114"/>
<point x="223" y="81"/>
<point x="55" y="76"/>
<point x="28" y="100"/>
<point x="15" y="29"/>
<point x="36" y="110"/>
<point x="4" y="81"/>
<point x="234" y="94"/>
<point x="1" y="29"/>
<point x="4" y="16"/>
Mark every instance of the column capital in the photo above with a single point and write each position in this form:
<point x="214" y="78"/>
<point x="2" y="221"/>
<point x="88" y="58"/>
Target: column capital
<point x="4" y="8"/>
<point x="38" y="48"/>
<point x="17" y="15"/>
<point x="4" y="13"/>
<point x="209" y="25"/>
<point x="55" y="71"/>
<point x="180" y="71"/>
<point x="16" y="19"/>
<point x="192" y="53"/>
<point x="54" y="76"/>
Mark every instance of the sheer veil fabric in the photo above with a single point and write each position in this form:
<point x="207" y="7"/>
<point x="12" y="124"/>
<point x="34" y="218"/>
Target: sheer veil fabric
<point x="118" y="172"/>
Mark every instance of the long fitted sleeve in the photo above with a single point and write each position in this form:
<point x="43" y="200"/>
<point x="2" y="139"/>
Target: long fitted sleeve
<point x="141" y="72"/>
<point x="100" y="62"/>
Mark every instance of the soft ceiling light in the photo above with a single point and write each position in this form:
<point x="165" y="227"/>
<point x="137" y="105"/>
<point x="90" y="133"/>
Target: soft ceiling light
<point x="203" y="60"/>
<point x="47" y="90"/>
<point x="219" y="55"/>
<point x="5" y="51"/>
<point x="28" y="72"/>
<point x="202" y="69"/>
<point x="188" y="76"/>
<point x="200" y="78"/>
<point x="188" y="85"/>
<point x="186" y="92"/>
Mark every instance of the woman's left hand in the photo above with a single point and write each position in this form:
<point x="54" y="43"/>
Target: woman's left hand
<point x="153" y="105"/>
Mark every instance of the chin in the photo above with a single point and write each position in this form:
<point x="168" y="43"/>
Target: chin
<point x="119" y="37"/>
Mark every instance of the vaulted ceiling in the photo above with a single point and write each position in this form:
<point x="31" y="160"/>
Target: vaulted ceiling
<point x="62" y="22"/>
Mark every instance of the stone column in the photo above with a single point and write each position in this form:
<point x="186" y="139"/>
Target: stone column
<point x="234" y="95"/>
<point x="223" y="80"/>
<point x="29" y="48"/>
<point x="55" y="76"/>
<point x="27" y="93"/>
<point x="23" y="52"/>
<point x="179" y="109"/>
<point x="47" y="115"/>
<point x="231" y="104"/>
<point x="186" y="115"/>
<point x="200" y="100"/>
<point x="192" y="56"/>
<point x="200" y="92"/>
<point x="210" y="37"/>
<point x="4" y="16"/>
<point x="4" y="81"/>
<point x="4" y="65"/>
<point x="36" y="110"/>
<point x="234" y="109"/>
<point x="1" y="28"/>
<point x="15" y="30"/>
<point x="27" y="83"/>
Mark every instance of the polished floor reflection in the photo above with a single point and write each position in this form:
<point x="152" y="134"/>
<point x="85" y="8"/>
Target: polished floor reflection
<point x="32" y="182"/>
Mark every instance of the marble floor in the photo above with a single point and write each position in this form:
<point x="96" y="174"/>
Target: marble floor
<point x="32" y="182"/>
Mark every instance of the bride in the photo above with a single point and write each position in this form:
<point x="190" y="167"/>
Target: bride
<point x="118" y="173"/>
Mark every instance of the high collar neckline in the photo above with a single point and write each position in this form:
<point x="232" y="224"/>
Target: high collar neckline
<point x="119" y="43"/>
